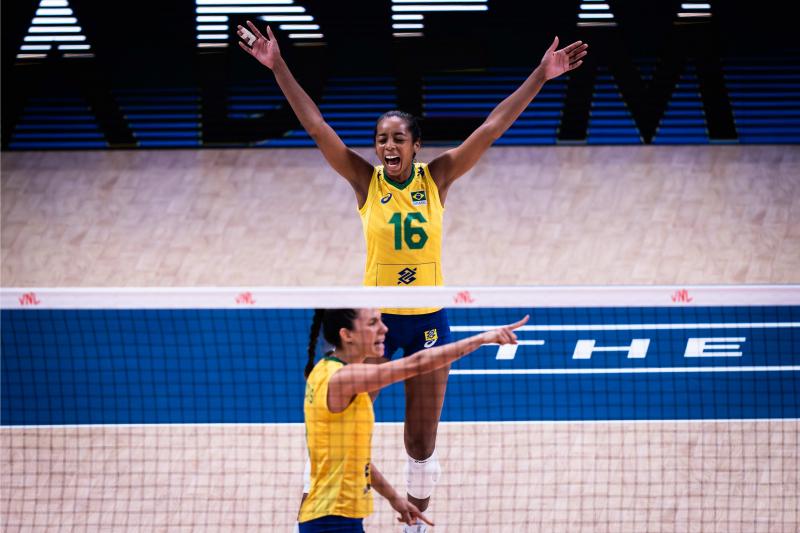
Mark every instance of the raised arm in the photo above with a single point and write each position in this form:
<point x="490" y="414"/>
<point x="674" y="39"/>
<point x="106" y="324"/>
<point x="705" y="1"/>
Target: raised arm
<point x="356" y="378"/>
<point x="349" y="164"/>
<point x="454" y="163"/>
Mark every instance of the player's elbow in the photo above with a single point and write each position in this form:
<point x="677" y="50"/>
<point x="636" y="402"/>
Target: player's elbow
<point x="317" y="129"/>
<point x="426" y="361"/>
<point x="314" y="131"/>
<point x="491" y="130"/>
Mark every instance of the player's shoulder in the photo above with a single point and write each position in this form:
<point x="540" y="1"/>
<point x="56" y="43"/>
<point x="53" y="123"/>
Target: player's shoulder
<point x="324" y="367"/>
<point x="422" y="169"/>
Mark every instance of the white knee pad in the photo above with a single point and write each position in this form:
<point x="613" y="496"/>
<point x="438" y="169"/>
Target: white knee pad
<point x="422" y="476"/>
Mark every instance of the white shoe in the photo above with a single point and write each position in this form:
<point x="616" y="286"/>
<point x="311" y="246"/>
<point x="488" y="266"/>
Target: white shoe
<point x="419" y="527"/>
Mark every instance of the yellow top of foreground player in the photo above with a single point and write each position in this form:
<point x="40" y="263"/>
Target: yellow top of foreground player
<point x="338" y="410"/>
<point x="339" y="448"/>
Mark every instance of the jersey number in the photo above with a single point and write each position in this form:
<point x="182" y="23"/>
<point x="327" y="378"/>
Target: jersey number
<point x="415" y="237"/>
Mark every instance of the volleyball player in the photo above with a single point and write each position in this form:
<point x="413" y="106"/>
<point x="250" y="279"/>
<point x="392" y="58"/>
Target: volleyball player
<point x="339" y="417"/>
<point x="401" y="203"/>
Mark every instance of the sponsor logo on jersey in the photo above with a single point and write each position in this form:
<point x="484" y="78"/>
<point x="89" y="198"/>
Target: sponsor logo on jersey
<point x="407" y="275"/>
<point x="418" y="198"/>
<point x="431" y="336"/>
<point x="386" y="198"/>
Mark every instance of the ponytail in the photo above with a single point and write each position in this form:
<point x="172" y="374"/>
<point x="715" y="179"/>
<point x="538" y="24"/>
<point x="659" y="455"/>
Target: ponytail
<point x="330" y="322"/>
<point x="316" y="324"/>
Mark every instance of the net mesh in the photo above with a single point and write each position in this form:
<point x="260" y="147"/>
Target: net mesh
<point x="606" y="417"/>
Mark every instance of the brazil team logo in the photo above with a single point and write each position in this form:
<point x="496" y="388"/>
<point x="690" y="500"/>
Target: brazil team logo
<point x="431" y="336"/>
<point x="418" y="198"/>
<point x="386" y="198"/>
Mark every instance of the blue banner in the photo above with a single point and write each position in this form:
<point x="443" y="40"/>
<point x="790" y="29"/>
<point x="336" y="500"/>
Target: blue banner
<point x="246" y="366"/>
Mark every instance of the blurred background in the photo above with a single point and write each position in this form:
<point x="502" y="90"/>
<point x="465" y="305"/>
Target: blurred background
<point x="89" y="74"/>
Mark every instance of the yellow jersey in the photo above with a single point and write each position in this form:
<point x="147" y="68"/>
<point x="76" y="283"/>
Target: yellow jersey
<point x="403" y="229"/>
<point x="339" y="447"/>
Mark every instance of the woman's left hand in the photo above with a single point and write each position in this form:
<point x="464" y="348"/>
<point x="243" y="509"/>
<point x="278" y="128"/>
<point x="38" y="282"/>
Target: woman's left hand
<point x="557" y="62"/>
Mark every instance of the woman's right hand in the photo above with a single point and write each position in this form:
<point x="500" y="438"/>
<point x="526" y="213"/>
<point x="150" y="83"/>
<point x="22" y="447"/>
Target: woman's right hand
<point x="409" y="514"/>
<point x="265" y="49"/>
<point x="505" y="334"/>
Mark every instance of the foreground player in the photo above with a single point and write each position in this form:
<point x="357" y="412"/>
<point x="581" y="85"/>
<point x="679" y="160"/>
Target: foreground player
<point x="401" y="203"/>
<point x="339" y="417"/>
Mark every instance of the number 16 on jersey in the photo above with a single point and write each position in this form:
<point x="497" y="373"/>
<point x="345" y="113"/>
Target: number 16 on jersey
<point x="414" y="236"/>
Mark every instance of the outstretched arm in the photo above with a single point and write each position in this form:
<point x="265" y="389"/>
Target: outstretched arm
<point x="356" y="378"/>
<point x="409" y="513"/>
<point x="349" y="164"/>
<point x="452" y="164"/>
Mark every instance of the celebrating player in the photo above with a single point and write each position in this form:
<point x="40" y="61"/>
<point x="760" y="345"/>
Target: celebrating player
<point x="339" y="417"/>
<point x="401" y="203"/>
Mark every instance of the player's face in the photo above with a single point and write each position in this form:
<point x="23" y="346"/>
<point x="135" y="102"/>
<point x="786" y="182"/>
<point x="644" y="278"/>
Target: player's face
<point x="395" y="147"/>
<point x="369" y="333"/>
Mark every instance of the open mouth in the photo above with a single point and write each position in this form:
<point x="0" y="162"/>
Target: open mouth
<point x="392" y="162"/>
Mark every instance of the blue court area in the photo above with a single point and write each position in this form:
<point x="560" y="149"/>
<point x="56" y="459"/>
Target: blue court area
<point x="246" y="366"/>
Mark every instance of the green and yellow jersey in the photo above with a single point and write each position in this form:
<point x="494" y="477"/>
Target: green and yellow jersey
<point x="403" y="229"/>
<point x="339" y="447"/>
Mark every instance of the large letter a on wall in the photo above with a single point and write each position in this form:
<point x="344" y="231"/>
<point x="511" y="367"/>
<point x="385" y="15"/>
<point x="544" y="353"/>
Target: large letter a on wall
<point x="54" y="29"/>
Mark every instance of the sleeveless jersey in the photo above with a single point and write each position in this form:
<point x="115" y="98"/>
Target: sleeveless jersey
<point x="403" y="230"/>
<point x="339" y="447"/>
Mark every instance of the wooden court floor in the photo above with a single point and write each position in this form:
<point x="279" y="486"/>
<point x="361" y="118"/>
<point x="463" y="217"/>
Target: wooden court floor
<point x="523" y="216"/>
<point x="717" y="477"/>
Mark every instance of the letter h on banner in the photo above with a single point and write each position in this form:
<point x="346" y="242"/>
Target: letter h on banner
<point x="585" y="348"/>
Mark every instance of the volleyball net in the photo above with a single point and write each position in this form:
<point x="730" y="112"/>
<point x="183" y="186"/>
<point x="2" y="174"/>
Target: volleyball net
<point x="620" y="409"/>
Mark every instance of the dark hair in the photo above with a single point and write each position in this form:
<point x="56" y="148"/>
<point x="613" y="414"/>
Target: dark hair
<point x="411" y="122"/>
<point x="330" y="321"/>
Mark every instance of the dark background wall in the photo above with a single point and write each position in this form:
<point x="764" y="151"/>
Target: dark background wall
<point x="149" y="47"/>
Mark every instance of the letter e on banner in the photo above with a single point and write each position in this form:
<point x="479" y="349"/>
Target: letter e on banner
<point x="696" y="347"/>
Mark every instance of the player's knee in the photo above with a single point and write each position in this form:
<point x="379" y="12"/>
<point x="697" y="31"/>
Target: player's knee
<point x="422" y="476"/>
<point x="423" y="446"/>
